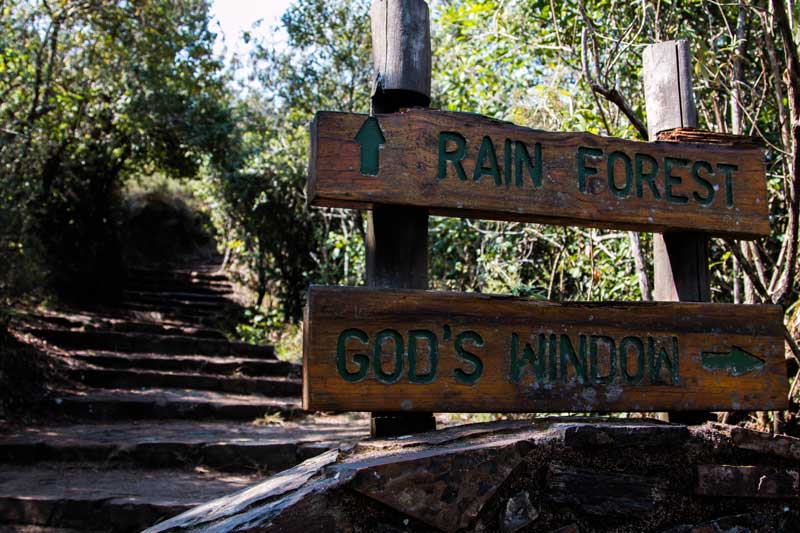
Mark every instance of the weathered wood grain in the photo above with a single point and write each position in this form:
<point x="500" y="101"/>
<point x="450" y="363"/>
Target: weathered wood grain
<point x="397" y="248"/>
<point x="401" y="47"/>
<point x="666" y="356"/>
<point x="421" y="164"/>
<point x="669" y="99"/>
<point x="680" y="260"/>
<point x="397" y="236"/>
<point x="680" y="267"/>
<point x="695" y="135"/>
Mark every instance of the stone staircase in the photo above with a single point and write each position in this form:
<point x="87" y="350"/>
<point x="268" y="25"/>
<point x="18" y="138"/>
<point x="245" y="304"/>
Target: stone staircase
<point x="161" y="415"/>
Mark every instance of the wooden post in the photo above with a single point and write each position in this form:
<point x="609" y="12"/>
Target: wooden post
<point x="680" y="258"/>
<point x="397" y="237"/>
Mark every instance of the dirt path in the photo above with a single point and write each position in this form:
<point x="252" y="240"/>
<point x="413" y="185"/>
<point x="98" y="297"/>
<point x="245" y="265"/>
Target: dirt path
<point x="161" y="417"/>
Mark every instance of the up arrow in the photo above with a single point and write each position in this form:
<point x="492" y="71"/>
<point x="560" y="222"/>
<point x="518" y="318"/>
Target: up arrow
<point x="370" y="137"/>
<point x="737" y="361"/>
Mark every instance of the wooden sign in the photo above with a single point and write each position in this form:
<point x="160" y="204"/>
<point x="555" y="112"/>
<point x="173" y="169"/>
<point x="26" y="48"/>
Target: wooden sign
<point x="466" y="165"/>
<point x="407" y="350"/>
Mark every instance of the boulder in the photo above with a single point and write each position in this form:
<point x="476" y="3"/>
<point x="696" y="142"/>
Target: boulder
<point x="549" y="474"/>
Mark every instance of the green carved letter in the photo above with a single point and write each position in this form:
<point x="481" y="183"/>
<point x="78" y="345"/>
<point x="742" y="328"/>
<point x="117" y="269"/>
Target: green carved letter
<point x="468" y="378"/>
<point x="377" y="349"/>
<point x="649" y="177"/>
<point x="728" y="171"/>
<point x="669" y="180"/>
<point x="455" y="157"/>
<point x="700" y="180"/>
<point x="507" y="166"/>
<point x="361" y="360"/>
<point x="583" y="170"/>
<point x="620" y="192"/>
<point x="414" y="337"/>
<point x="521" y="156"/>
<point x="528" y="357"/>
<point x="612" y="359"/>
<point x="659" y="355"/>
<point x="487" y="150"/>
<point x="578" y="360"/>
<point x="638" y="345"/>
<point x="552" y="349"/>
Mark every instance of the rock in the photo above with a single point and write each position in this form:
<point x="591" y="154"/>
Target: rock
<point x="603" y="493"/>
<point x="553" y="474"/>
<point x="259" y="504"/>
<point x="571" y="528"/>
<point x="445" y="488"/>
<point x="758" y="441"/>
<point x="744" y="523"/>
<point x="747" y="481"/>
<point x="519" y="513"/>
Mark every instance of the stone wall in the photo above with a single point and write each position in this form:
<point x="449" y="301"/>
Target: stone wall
<point x="565" y="475"/>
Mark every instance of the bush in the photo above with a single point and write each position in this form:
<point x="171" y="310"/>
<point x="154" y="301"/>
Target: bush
<point x="25" y="373"/>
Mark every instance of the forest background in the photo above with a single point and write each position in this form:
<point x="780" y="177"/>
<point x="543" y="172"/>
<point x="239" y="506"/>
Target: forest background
<point x="103" y="100"/>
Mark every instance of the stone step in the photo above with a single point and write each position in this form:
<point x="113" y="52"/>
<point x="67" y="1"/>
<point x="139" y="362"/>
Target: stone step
<point x="176" y="303"/>
<point x="227" y="446"/>
<point x="87" y="498"/>
<point x="178" y="318"/>
<point x="53" y="320"/>
<point x="110" y="317"/>
<point x="182" y="313"/>
<point x="227" y="364"/>
<point x="213" y="289"/>
<point x="143" y="342"/>
<point x="176" y="275"/>
<point x="158" y="329"/>
<point x="162" y="404"/>
<point x="160" y="295"/>
<point x="107" y="378"/>
<point x="117" y="324"/>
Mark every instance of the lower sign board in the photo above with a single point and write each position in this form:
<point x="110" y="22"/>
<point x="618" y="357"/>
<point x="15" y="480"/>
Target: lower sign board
<point x="406" y="350"/>
<point x="461" y="164"/>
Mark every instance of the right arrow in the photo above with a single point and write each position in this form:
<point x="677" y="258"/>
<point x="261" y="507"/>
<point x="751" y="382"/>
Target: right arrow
<point x="737" y="361"/>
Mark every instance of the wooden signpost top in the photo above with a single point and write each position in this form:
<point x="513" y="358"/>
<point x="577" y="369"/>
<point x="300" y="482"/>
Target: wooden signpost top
<point x="461" y="164"/>
<point x="410" y="350"/>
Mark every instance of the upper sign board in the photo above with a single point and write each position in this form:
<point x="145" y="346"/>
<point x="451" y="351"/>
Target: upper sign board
<point x="460" y="164"/>
<point x="406" y="350"/>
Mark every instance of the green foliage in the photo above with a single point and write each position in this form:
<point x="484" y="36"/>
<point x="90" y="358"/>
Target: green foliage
<point x="259" y="326"/>
<point x="270" y="327"/>
<point x="262" y="206"/>
<point x="89" y="92"/>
